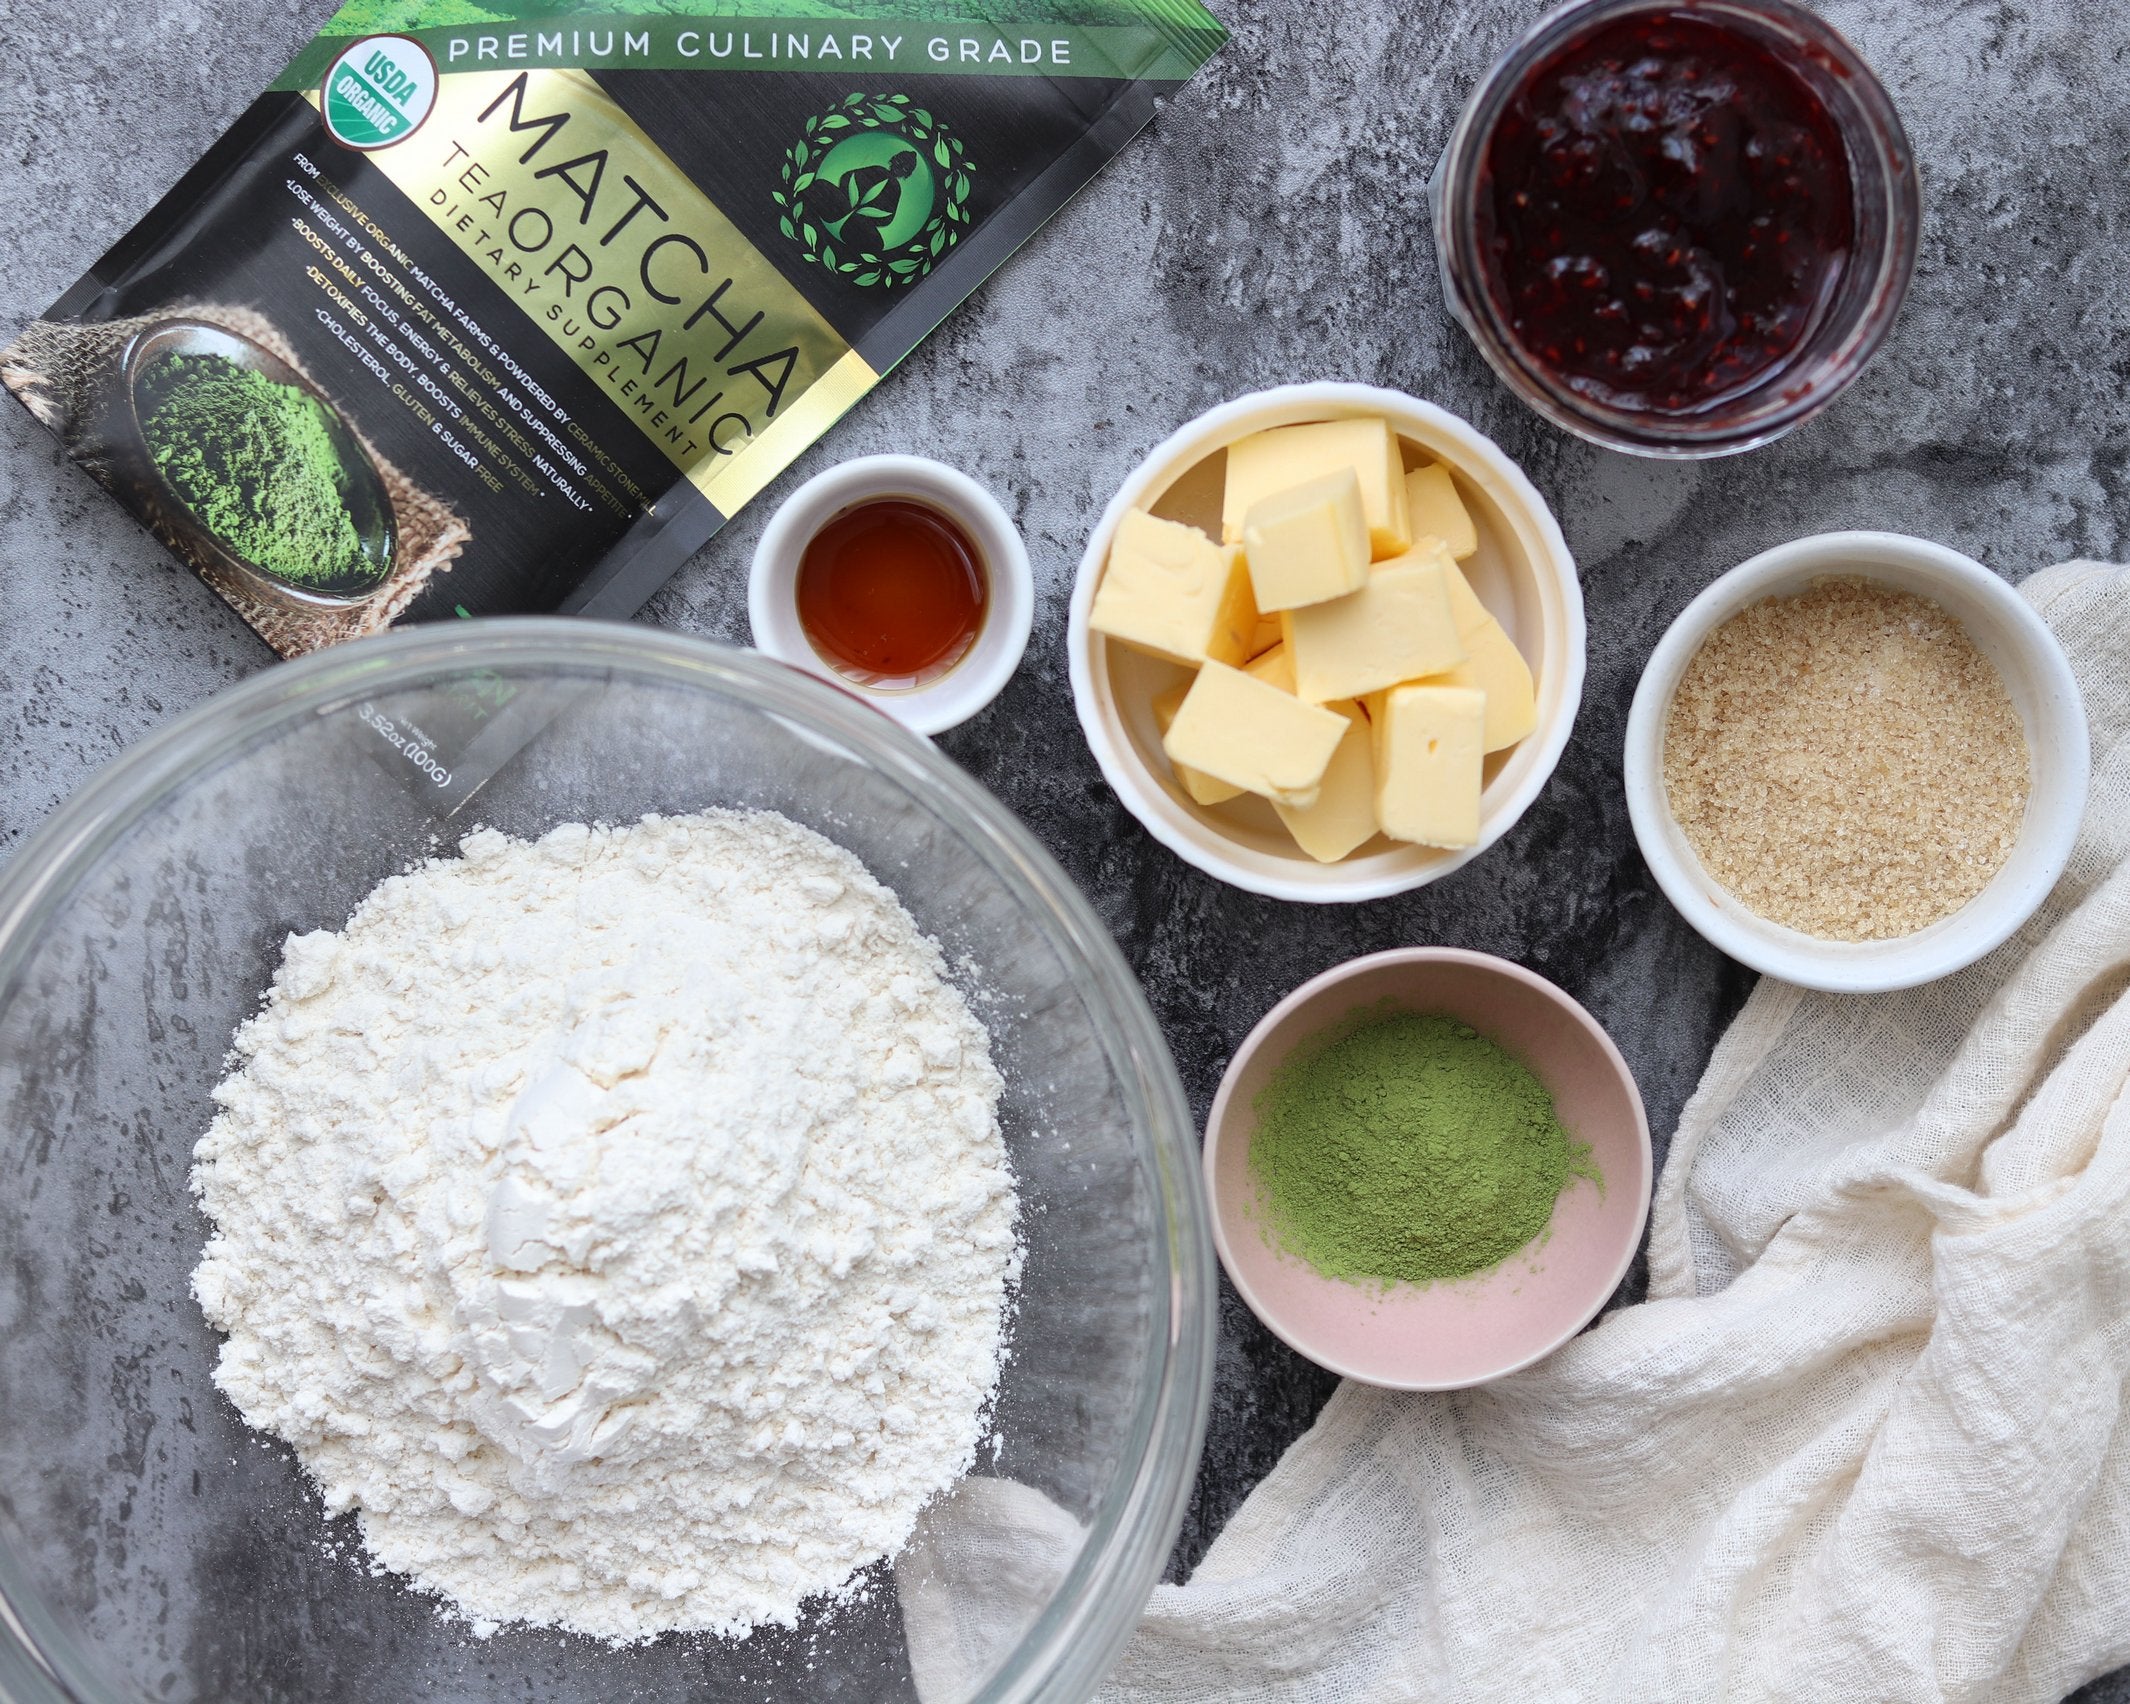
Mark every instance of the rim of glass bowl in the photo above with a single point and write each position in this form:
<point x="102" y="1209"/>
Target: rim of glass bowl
<point x="1758" y="415"/>
<point x="1072" y="1643"/>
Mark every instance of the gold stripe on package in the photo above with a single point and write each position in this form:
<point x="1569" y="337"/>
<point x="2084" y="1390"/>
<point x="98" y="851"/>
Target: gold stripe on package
<point x="633" y="272"/>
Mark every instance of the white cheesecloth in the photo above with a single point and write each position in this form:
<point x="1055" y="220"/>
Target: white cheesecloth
<point x="1864" y="1442"/>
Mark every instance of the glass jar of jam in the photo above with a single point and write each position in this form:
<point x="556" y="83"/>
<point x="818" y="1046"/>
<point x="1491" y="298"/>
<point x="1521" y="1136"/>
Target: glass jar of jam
<point x="1677" y="227"/>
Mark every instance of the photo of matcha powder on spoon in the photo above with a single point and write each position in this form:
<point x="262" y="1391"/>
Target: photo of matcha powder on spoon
<point x="261" y="465"/>
<point x="1408" y="1149"/>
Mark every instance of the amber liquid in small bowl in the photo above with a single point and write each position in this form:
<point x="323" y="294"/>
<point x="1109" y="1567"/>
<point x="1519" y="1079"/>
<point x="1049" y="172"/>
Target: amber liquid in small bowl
<point x="892" y="594"/>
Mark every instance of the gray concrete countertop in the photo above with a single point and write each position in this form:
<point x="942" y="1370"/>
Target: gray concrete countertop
<point x="1270" y="227"/>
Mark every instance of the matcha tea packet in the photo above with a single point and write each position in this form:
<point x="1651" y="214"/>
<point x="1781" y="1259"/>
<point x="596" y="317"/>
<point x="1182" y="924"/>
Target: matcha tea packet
<point x="505" y="306"/>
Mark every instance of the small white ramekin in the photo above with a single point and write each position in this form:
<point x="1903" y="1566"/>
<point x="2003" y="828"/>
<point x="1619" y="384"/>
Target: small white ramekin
<point x="772" y="584"/>
<point x="2006" y="630"/>
<point x="1522" y="572"/>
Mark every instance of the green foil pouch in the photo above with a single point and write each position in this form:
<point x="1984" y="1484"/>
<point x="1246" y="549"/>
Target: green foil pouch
<point x="506" y="307"/>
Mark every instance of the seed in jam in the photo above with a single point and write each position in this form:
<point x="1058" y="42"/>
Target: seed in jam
<point x="891" y="593"/>
<point x="1666" y="210"/>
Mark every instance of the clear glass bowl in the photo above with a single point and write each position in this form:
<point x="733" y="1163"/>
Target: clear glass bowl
<point x="152" y="1547"/>
<point x="1850" y="329"/>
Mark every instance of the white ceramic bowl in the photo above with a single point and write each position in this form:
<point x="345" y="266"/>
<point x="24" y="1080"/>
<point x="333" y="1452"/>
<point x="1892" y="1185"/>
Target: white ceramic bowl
<point x="1522" y="572"/>
<point x="2006" y="630"/>
<point x="772" y="584"/>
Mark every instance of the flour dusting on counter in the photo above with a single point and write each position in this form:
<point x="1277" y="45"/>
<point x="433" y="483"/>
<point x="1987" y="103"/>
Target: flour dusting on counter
<point x="618" y="1222"/>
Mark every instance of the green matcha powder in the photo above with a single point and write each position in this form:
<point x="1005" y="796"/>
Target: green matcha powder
<point x="1408" y="1149"/>
<point x="256" y="461"/>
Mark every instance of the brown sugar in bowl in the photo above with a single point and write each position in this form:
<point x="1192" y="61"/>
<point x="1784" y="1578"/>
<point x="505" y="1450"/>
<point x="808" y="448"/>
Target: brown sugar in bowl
<point x="2037" y="677"/>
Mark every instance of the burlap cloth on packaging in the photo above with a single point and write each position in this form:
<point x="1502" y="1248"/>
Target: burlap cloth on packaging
<point x="1866" y="1442"/>
<point x="64" y="373"/>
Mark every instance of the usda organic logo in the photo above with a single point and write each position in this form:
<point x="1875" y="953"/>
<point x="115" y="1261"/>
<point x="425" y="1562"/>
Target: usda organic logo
<point x="378" y="92"/>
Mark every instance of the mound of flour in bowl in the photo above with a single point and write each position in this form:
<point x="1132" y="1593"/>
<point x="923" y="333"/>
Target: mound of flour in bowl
<point x="618" y="1222"/>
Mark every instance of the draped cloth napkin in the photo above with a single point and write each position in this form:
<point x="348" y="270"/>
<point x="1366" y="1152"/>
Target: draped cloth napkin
<point x="1865" y="1442"/>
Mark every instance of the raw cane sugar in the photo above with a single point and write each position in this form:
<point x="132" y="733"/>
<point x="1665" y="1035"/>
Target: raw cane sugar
<point x="1845" y="762"/>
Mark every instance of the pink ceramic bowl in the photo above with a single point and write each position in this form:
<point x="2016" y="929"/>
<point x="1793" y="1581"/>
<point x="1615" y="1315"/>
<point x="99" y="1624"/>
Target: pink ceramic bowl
<point x="1460" y="1332"/>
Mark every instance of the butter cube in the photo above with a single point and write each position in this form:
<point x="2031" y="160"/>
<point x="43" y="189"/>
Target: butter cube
<point x="1496" y="668"/>
<point x="1269" y="633"/>
<point x="1396" y="628"/>
<point x="1251" y="735"/>
<point x="1203" y="788"/>
<point x="1171" y="590"/>
<point x="1428" y="758"/>
<point x="1493" y="665"/>
<point x="1275" y="668"/>
<point x="1344" y="815"/>
<point x="1437" y="511"/>
<point x="1268" y="462"/>
<point x="1307" y="543"/>
<point x="1466" y="610"/>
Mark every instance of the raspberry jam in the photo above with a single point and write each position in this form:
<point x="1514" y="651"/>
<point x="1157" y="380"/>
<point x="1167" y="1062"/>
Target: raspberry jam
<point x="1666" y="210"/>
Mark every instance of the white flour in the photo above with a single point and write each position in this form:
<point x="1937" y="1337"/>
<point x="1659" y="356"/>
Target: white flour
<point x="619" y="1222"/>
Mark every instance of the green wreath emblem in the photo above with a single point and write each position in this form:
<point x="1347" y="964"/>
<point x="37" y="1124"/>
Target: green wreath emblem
<point x="875" y="189"/>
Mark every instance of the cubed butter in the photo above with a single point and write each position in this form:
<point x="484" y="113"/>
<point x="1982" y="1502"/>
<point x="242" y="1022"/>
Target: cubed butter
<point x="1268" y="462"/>
<point x="1171" y="590"/>
<point x="1307" y="543"/>
<point x="1396" y="628"/>
<point x="1466" y="610"/>
<point x="1437" y="511"/>
<point x="1275" y="668"/>
<point x="1344" y="815"/>
<point x="1246" y="732"/>
<point x="1428" y="753"/>
<point x="1269" y="633"/>
<point x="1203" y="788"/>
<point x="1495" y="667"/>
